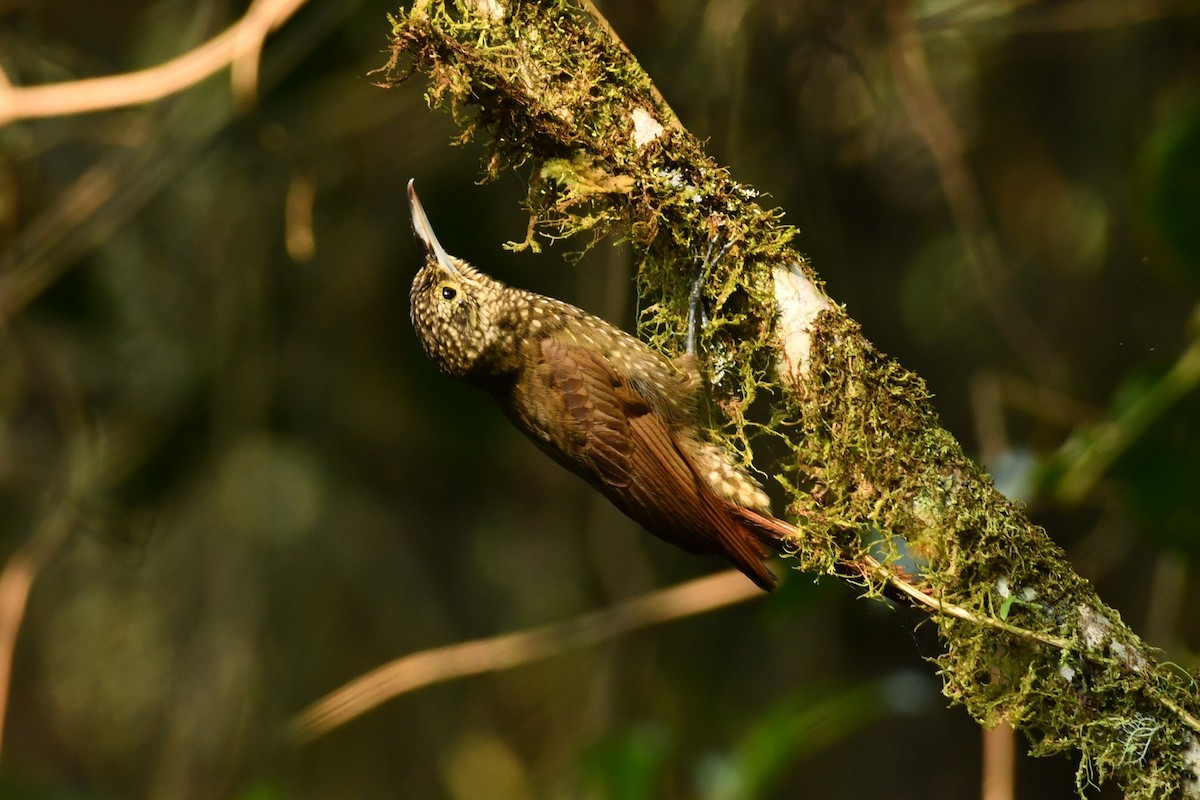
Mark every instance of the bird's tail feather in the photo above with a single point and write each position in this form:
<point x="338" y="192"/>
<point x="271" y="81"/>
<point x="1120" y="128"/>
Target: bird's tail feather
<point x="762" y="535"/>
<point x="774" y="533"/>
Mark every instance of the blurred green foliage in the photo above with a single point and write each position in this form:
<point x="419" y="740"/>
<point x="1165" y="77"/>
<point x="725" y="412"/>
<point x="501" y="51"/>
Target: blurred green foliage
<point x="272" y="491"/>
<point x="627" y="765"/>
<point x="1158" y="473"/>
<point x="1172" y="167"/>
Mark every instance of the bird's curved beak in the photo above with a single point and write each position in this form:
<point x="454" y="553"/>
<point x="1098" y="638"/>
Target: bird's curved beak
<point x="424" y="231"/>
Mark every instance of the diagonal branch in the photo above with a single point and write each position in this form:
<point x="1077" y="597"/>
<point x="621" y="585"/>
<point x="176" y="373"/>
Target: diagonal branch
<point x="873" y="475"/>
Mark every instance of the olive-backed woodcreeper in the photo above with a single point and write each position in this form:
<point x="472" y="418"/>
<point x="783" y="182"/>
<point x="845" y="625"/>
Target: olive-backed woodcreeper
<point x="597" y="400"/>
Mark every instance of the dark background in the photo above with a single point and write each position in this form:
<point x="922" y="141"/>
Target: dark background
<point x="272" y="491"/>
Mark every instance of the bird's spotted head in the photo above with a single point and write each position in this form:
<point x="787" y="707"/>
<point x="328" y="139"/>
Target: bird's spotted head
<point x="455" y="308"/>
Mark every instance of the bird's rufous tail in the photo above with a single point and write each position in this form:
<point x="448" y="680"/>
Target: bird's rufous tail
<point x="765" y="534"/>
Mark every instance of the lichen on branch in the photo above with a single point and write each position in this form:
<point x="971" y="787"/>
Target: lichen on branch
<point x="886" y="497"/>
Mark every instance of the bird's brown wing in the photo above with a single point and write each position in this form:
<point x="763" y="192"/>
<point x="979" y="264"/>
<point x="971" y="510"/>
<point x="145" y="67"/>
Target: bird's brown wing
<point x="595" y="419"/>
<point x="634" y="457"/>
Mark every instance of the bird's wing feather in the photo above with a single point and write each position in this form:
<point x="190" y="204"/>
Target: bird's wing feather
<point x="637" y="459"/>
<point x="597" y="418"/>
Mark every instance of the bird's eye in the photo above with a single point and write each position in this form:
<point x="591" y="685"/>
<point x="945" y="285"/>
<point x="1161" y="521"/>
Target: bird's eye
<point x="449" y="293"/>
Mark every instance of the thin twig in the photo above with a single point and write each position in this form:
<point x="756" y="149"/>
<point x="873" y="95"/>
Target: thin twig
<point x="915" y="593"/>
<point x="442" y="664"/>
<point x="240" y="45"/>
<point x="16" y="581"/>
<point x="1175" y="708"/>
<point x="999" y="762"/>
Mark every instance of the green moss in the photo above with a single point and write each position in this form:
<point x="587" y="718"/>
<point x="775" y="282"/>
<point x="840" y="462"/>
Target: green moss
<point x="554" y="96"/>
<point x="872" y="475"/>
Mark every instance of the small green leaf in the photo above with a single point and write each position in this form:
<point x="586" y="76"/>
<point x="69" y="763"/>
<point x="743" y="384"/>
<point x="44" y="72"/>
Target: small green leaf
<point x="1007" y="606"/>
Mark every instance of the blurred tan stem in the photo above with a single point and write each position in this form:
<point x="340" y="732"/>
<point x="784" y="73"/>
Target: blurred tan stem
<point x="239" y="47"/>
<point x="999" y="762"/>
<point x="441" y="664"/>
<point x="16" y="581"/>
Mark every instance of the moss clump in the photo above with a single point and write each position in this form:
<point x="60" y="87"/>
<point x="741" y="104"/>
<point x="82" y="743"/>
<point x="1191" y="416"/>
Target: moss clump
<point x="563" y="101"/>
<point x="883" y="492"/>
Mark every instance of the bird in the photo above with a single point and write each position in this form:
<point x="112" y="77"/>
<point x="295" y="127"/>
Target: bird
<point x="599" y="401"/>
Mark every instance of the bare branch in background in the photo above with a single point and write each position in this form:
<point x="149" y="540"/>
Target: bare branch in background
<point x="16" y="581"/>
<point x="240" y="46"/>
<point x="442" y="664"/>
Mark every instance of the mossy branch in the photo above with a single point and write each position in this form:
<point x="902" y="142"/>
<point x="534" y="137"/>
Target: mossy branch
<point x="871" y="473"/>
